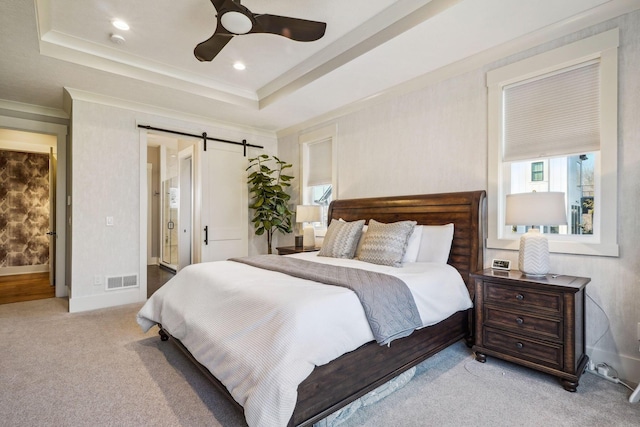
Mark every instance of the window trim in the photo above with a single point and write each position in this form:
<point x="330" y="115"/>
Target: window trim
<point x="604" y="47"/>
<point x="305" y="140"/>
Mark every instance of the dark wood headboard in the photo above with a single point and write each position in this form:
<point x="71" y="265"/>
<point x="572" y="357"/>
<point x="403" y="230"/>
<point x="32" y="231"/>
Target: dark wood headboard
<point x="466" y="210"/>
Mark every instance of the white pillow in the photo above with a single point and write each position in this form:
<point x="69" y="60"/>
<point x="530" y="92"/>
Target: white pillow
<point x="413" y="246"/>
<point x="435" y="243"/>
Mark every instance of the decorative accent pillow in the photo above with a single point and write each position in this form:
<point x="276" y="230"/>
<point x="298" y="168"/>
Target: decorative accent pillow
<point x="435" y="244"/>
<point x="413" y="245"/>
<point x="341" y="239"/>
<point x="386" y="244"/>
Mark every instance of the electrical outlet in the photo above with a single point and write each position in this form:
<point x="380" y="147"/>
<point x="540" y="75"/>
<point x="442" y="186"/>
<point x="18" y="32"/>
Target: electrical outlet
<point x="97" y="280"/>
<point x="604" y="371"/>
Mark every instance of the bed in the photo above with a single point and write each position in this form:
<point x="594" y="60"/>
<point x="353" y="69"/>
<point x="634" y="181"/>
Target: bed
<point x="328" y="381"/>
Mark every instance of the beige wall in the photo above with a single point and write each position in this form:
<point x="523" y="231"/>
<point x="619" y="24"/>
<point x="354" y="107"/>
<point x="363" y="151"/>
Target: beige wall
<point x="107" y="174"/>
<point x="435" y="140"/>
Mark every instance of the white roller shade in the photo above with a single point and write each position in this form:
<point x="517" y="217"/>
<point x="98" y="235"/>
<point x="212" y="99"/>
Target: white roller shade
<point x="319" y="163"/>
<point x="553" y="115"/>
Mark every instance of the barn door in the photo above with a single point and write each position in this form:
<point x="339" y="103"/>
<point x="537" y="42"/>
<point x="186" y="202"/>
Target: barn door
<point x="224" y="203"/>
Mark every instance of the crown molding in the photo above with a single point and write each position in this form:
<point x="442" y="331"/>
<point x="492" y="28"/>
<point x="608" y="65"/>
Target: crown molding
<point x="37" y="110"/>
<point x="96" y="98"/>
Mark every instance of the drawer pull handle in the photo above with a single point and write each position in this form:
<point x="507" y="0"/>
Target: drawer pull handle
<point x="519" y="297"/>
<point x="519" y="345"/>
<point x="519" y="320"/>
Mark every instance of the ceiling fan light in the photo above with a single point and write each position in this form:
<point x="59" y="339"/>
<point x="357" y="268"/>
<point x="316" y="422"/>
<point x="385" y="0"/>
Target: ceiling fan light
<point x="236" y="22"/>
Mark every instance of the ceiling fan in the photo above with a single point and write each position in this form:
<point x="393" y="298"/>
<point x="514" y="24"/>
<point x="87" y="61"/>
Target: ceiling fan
<point x="235" y="19"/>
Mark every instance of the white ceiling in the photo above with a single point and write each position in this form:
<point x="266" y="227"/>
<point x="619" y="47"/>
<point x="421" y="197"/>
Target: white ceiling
<point x="369" y="47"/>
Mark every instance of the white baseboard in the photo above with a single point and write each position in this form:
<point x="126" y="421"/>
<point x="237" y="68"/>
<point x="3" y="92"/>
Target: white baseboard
<point x="107" y="299"/>
<point x="628" y="367"/>
<point x="26" y="269"/>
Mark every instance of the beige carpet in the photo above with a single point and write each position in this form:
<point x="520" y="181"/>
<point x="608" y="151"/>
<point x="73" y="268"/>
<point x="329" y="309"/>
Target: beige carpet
<point x="99" y="369"/>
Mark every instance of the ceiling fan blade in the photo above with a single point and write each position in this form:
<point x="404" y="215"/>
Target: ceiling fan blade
<point x="208" y="49"/>
<point x="217" y="4"/>
<point x="297" y="29"/>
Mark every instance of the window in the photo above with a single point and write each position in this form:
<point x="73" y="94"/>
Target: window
<point x="572" y="175"/>
<point x="318" y="185"/>
<point x="553" y="127"/>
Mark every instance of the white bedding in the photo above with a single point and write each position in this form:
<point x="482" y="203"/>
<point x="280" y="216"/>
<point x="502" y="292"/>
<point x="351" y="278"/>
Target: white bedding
<point x="261" y="332"/>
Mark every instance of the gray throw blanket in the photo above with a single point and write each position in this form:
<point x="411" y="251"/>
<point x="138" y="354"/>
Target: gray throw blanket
<point x="387" y="301"/>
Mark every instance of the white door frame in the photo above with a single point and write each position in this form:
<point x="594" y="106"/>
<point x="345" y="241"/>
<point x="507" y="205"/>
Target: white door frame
<point x="185" y="213"/>
<point x="150" y="260"/>
<point x="60" y="131"/>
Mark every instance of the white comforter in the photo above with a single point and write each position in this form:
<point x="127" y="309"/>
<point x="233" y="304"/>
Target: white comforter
<point x="261" y="333"/>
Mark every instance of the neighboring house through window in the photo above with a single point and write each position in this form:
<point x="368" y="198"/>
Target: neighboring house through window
<point x="553" y="127"/>
<point x="537" y="171"/>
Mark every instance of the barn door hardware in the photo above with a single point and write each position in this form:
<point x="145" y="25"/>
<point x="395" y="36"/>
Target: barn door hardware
<point x="205" y="138"/>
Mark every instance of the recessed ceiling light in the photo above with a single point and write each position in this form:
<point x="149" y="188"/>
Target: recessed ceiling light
<point x="120" y="24"/>
<point x="239" y="66"/>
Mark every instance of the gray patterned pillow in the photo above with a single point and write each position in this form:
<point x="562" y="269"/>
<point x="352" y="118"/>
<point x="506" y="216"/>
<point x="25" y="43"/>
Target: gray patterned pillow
<point x="341" y="239"/>
<point x="386" y="244"/>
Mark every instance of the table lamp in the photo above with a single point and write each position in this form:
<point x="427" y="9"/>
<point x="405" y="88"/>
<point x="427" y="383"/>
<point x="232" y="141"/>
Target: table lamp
<point x="535" y="209"/>
<point x="308" y="214"/>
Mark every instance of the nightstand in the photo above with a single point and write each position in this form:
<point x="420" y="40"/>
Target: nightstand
<point x="537" y="322"/>
<point x="287" y="250"/>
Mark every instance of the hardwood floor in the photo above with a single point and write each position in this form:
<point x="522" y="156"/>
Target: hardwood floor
<point x="25" y="287"/>
<point x="156" y="277"/>
<point x="29" y="287"/>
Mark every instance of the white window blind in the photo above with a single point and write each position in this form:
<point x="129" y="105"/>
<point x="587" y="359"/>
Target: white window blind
<point x="319" y="163"/>
<point x="554" y="114"/>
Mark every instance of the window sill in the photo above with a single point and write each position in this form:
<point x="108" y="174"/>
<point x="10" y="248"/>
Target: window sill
<point x="555" y="246"/>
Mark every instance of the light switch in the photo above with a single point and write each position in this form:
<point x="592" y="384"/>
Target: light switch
<point x="109" y="221"/>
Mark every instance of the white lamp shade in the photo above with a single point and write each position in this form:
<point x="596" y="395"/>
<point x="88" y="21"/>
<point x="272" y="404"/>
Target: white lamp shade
<point x="539" y="208"/>
<point x="308" y="213"/>
<point x="546" y="208"/>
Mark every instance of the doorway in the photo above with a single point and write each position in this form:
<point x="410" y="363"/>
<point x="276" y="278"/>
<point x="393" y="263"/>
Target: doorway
<point x="32" y="260"/>
<point x="170" y="201"/>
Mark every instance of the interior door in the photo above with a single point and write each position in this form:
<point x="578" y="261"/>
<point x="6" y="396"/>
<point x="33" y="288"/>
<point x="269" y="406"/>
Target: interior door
<point x="52" y="217"/>
<point x="224" y="202"/>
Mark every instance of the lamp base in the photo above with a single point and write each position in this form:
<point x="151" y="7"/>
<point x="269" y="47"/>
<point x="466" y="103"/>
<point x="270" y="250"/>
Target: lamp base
<point x="309" y="237"/>
<point x="534" y="253"/>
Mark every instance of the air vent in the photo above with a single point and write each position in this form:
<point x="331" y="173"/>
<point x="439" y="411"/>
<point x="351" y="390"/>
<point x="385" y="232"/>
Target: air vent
<point x="121" y="282"/>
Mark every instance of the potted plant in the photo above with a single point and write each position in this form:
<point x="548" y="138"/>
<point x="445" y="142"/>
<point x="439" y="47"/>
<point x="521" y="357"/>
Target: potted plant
<point x="268" y="198"/>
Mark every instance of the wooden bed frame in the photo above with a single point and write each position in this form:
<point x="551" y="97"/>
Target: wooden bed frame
<point x="352" y="375"/>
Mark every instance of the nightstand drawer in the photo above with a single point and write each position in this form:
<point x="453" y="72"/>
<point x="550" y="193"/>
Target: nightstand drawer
<point x="545" y="353"/>
<point x="523" y="322"/>
<point x="522" y="297"/>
